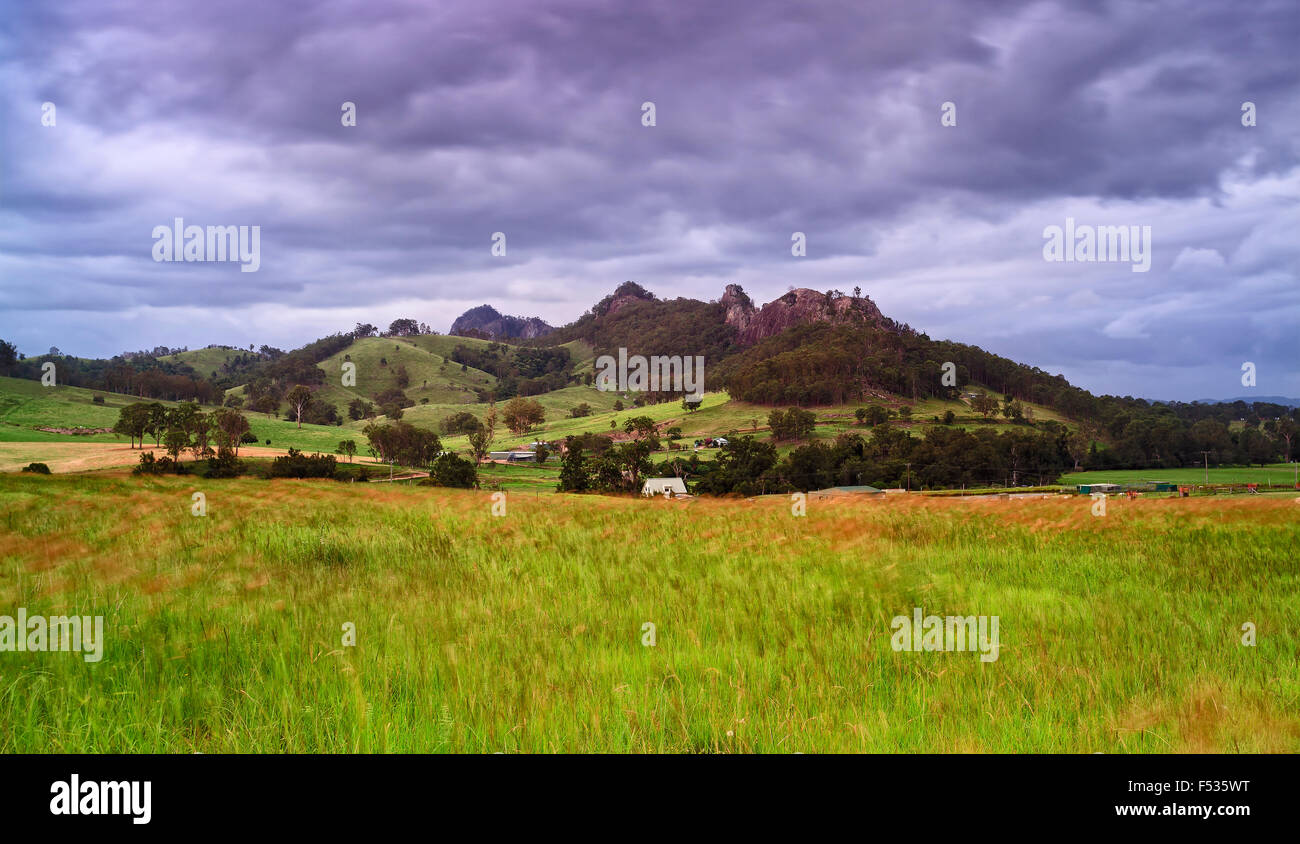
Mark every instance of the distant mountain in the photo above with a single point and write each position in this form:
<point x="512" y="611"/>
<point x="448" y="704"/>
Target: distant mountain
<point x="1282" y="400"/>
<point x="635" y="318"/>
<point x="487" y="322"/>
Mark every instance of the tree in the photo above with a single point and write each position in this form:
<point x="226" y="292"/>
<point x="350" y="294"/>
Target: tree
<point x="580" y="411"/>
<point x="8" y="355"/>
<point x="403" y="443"/>
<point x="348" y="448"/>
<point x="792" y="424"/>
<point x="364" y="329"/>
<point x="157" y="422"/>
<point x="175" y="442"/>
<point x="984" y="404"/>
<point x="642" y="428"/>
<point x="231" y="426"/>
<point x="184" y="416"/>
<point x="299" y="398"/>
<point x="265" y="403"/>
<point x="521" y="414"/>
<point x="573" y="467"/>
<point x="201" y="428"/>
<point x="480" y="441"/>
<point x="462" y="422"/>
<point x="132" y="421"/>
<point x="1286" y="430"/>
<point x="403" y="328"/>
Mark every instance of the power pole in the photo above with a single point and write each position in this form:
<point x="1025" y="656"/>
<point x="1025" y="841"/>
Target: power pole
<point x="909" y="477"/>
<point x="1207" y="467"/>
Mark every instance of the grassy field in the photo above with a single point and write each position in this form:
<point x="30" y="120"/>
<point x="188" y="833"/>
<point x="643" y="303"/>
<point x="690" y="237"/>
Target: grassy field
<point x="523" y="633"/>
<point x="1277" y="474"/>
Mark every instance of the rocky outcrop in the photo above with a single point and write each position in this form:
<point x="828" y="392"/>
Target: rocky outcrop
<point x="625" y="294"/>
<point x="798" y="307"/>
<point x="485" y="321"/>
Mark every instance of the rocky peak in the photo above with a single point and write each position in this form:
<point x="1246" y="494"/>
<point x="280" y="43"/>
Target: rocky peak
<point x="797" y="307"/>
<point x="486" y="321"/>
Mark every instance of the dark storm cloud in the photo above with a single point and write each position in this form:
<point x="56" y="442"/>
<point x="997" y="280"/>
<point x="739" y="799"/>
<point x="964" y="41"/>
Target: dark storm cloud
<point x="524" y="118"/>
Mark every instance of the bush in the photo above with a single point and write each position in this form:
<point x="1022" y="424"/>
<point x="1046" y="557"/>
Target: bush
<point x="98" y="399"/>
<point x="249" y="438"/>
<point x="224" y="465"/>
<point x="157" y="466"/>
<point x="37" y="468"/>
<point x="298" y="465"/>
<point x="453" y="471"/>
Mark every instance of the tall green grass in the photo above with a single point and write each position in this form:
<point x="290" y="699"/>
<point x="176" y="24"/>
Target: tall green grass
<point x="523" y="633"/>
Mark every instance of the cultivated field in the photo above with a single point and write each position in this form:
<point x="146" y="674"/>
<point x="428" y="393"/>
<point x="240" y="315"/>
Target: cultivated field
<point x="523" y="633"/>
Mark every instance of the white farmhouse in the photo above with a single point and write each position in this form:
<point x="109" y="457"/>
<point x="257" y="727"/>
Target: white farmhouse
<point x="666" y="487"/>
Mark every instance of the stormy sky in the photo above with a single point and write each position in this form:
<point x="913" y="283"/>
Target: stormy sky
<point x="526" y="118"/>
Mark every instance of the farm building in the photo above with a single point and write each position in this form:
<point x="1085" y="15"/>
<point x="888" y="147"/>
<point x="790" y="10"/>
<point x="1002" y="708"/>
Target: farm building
<point x="513" y="456"/>
<point x="1089" y="489"/>
<point x="664" y="486"/>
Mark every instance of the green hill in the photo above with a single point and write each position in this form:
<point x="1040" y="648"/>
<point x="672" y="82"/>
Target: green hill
<point x="205" y="361"/>
<point x="431" y="374"/>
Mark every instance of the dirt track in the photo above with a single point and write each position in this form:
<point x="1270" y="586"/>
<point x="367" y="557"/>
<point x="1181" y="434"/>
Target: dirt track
<point x="89" y="457"/>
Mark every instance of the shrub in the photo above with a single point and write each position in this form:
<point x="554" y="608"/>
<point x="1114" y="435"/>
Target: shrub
<point x="150" y="466"/>
<point x="298" y="465"/>
<point x="224" y="465"/>
<point x="37" y="468"/>
<point x="453" y="471"/>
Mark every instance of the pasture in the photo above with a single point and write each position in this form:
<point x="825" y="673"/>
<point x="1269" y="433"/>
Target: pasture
<point x="525" y="632"/>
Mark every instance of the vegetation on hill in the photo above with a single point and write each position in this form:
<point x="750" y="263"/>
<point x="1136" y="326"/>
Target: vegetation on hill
<point x="873" y="367"/>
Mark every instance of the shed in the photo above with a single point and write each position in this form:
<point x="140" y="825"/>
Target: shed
<point x="664" y="486"/>
<point x="512" y="456"/>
